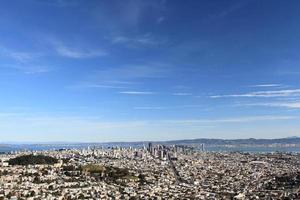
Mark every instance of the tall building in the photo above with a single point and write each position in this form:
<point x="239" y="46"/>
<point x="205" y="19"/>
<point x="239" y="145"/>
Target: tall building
<point x="202" y="147"/>
<point x="150" y="147"/>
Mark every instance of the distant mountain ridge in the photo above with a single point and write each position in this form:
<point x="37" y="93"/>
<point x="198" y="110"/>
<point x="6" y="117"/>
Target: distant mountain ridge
<point x="211" y="141"/>
<point x="249" y="141"/>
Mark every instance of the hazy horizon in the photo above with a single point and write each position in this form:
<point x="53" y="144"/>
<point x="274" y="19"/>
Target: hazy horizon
<point x="127" y="141"/>
<point x="138" y="70"/>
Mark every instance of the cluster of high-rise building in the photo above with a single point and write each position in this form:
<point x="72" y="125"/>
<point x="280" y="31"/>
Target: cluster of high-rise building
<point x="165" y="152"/>
<point x="158" y="151"/>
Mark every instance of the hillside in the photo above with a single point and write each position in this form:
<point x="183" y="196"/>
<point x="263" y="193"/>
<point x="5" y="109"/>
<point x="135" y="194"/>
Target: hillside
<point x="33" y="160"/>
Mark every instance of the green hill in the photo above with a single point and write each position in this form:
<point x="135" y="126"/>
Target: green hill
<point x="33" y="160"/>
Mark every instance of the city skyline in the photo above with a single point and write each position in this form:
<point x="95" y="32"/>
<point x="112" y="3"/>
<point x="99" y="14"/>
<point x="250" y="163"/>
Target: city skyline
<point x="137" y="70"/>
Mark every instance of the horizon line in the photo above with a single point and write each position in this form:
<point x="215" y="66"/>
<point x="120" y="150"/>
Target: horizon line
<point x="137" y="141"/>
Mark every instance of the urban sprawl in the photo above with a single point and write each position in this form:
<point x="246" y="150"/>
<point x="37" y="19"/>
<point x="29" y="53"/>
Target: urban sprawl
<point x="152" y="172"/>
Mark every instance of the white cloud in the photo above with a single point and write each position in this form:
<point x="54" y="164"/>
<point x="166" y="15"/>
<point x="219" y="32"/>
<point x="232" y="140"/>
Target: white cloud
<point x="137" y="41"/>
<point x="168" y="107"/>
<point x="96" y="86"/>
<point x="127" y="77"/>
<point x="58" y="3"/>
<point x="121" y="82"/>
<point x="234" y="120"/>
<point x="137" y="93"/>
<point x="291" y="105"/>
<point x="267" y="85"/>
<point x="23" y="61"/>
<point x="273" y="93"/>
<point x="18" y="55"/>
<point x="37" y="69"/>
<point x="128" y="73"/>
<point x="130" y="13"/>
<point x="21" y="56"/>
<point x="29" y="69"/>
<point x="161" y="19"/>
<point x="227" y="11"/>
<point x="120" y="39"/>
<point x="149" y="108"/>
<point x="78" y="53"/>
<point x="182" y="94"/>
<point x="113" y="84"/>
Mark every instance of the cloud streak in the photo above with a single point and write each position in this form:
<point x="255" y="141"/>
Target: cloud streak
<point x="167" y="107"/>
<point x="96" y="86"/>
<point x="271" y="93"/>
<point x="130" y="74"/>
<point x="18" y="56"/>
<point x="182" y="94"/>
<point x="137" y="41"/>
<point x="234" y="120"/>
<point x="227" y="11"/>
<point x="267" y="85"/>
<point x="137" y="93"/>
<point x="78" y="53"/>
<point x="290" y="105"/>
<point x="25" y="62"/>
<point x="30" y="69"/>
<point x="149" y="108"/>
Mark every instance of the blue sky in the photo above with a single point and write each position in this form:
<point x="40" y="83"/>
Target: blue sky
<point x="148" y="70"/>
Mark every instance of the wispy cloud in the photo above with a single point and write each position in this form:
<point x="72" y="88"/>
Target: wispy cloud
<point x="131" y="73"/>
<point x="103" y="84"/>
<point x="290" y="105"/>
<point x="95" y="86"/>
<point x="137" y="93"/>
<point x="126" y="77"/>
<point x="130" y="13"/>
<point x="272" y="93"/>
<point x="21" y="56"/>
<point x="58" y="3"/>
<point x="161" y="19"/>
<point x="18" y="56"/>
<point x="28" y="68"/>
<point x="137" y="41"/>
<point x="234" y="120"/>
<point x="149" y="108"/>
<point x="182" y="94"/>
<point x="78" y="53"/>
<point x="227" y="11"/>
<point x="267" y="85"/>
<point x="167" y="107"/>
<point x="121" y="82"/>
<point x="26" y="62"/>
<point x="231" y="9"/>
<point x="74" y="51"/>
